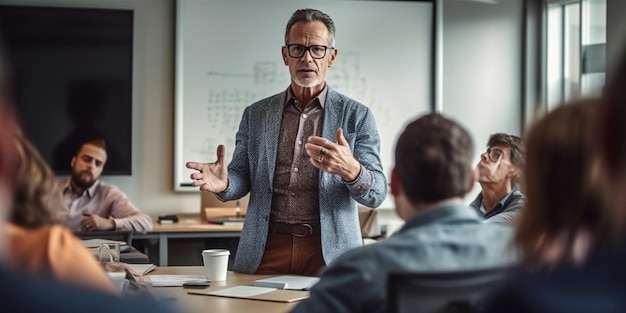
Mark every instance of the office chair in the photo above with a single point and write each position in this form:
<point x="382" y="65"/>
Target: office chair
<point x="117" y="235"/>
<point x="442" y="292"/>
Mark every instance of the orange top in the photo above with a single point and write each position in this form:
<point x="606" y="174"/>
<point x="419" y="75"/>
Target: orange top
<point x="54" y="250"/>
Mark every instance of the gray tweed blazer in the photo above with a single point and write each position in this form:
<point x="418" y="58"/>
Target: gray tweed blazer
<point x="253" y="164"/>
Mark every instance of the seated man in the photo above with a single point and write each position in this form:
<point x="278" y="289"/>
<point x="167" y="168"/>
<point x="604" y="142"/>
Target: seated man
<point x="499" y="171"/>
<point x="433" y="171"/>
<point x="22" y="292"/>
<point x="91" y="205"/>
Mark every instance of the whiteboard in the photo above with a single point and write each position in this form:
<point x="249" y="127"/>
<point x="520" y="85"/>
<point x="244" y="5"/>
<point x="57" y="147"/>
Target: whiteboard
<point x="228" y="55"/>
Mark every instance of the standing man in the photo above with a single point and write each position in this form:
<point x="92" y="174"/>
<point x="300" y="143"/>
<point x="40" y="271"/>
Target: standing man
<point x="432" y="173"/>
<point x="306" y="156"/>
<point x="91" y="205"/>
<point x="499" y="171"/>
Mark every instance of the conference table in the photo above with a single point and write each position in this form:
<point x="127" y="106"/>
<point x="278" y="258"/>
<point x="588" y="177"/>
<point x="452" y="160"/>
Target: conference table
<point x="187" y="227"/>
<point x="203" y="303"/>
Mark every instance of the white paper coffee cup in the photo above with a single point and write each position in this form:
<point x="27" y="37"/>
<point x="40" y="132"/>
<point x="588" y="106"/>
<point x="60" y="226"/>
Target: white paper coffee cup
<point x="215" y="263"/>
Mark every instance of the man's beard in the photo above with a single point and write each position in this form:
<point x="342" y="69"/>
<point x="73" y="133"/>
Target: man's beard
<point x="82" y="182"/>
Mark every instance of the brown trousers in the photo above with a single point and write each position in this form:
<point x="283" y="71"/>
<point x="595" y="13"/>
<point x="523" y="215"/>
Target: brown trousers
<point x="288" y="254"/>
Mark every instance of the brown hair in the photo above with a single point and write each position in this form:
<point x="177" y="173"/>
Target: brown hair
<point x="34" y="187"/>
<point x="98" y="142"/>
<point x="562" y="183"/>
<point x="433" y="159"/>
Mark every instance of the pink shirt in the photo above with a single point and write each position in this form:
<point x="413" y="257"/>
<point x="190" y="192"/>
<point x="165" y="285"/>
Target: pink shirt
<point x="104" y="200"/>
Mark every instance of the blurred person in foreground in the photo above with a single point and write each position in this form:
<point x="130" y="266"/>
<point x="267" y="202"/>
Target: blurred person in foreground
<point x="23" y="292"/>
<point x="36" y="243"/>
<point x="432" y="173"/>
<point x="598" y="285"/>
<point x="566" y="216"/>
<point x="499" y="171"/>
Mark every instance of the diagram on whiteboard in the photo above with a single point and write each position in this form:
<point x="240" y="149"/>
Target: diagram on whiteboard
<point x="219" y="74"/>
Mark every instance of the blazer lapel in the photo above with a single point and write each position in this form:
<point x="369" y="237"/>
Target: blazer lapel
<point x="333" y="116"/>
<point x="270" y="126"/>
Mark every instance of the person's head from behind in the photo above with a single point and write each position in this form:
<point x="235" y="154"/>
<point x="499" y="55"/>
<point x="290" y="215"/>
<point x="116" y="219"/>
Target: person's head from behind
<point x="34" y="186"/>
<point x="503" y="161"/>
<point x="309" y="47"/>
<point x="88" y="163"/>
<point x="433" y="163"/>
<point x="563" y="185"/>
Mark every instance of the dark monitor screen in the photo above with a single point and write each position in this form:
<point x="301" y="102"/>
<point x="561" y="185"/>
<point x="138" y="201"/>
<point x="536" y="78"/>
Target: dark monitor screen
<point x="70" y="74"/>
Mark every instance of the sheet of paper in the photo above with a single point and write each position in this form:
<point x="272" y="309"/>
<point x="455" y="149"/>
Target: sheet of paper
<point x="241" y="291"/>
<point x="174" y="280"/>
<point x="292" y="282"/>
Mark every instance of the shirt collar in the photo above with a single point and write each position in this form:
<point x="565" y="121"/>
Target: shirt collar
<point x="508" y="195"/>
<point x="321" y="97"/>
<point x="442" y="214"/>
<point x="478" y="202"/>
<point x="67" y="187"/>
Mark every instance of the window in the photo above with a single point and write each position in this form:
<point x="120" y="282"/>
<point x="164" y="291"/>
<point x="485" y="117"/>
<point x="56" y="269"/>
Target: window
<point x="575" y="49"/>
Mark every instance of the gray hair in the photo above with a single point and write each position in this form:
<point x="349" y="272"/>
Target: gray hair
<point x="311" y="15"/>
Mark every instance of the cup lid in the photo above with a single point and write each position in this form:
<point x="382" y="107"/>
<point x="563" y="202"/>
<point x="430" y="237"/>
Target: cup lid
<point x="216" y="252"/>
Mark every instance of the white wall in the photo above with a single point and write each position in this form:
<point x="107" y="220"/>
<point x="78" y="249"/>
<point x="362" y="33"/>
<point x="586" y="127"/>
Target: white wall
<point x="482" y="68"/>
<point x="482" y="73"/>
<point x="481" y="86"/>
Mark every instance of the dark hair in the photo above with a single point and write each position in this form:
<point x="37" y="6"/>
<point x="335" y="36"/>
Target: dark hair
<point x="516" y="145"/>
<point x="434" y="159"/>
<point x="563" y="185"/>
<point x="311" y="15"/>
<point x="34" y="187"/>
<point x="98" y="142"/>
<point x="613" y="129"/>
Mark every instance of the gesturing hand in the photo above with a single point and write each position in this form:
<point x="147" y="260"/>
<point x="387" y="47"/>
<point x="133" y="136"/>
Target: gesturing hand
<point x="211" y="177"/>
<point x="335" y="158"/>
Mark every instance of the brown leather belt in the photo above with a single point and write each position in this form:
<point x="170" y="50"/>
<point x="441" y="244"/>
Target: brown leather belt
<point x="296" y="230"/>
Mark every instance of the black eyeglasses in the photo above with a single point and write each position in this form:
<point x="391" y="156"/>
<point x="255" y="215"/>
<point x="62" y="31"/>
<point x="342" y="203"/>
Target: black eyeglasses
<point x="316" y="51"/>
<point x="495" y="154"/>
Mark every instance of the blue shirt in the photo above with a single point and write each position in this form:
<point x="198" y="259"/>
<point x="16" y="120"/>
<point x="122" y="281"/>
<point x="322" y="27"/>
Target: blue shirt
<point x="449" y="237"/>
<point x="506" y="210"/>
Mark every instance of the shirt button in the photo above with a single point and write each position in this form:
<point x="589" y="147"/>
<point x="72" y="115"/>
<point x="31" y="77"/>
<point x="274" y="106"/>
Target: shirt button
<point x="293" y="194"/>
<point x="303" y="115"/>
<point x="299" y="141"/>
<point x="295" y="169"/>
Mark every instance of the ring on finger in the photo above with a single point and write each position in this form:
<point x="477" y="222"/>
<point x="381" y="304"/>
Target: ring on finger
<point x="323" y="151"/>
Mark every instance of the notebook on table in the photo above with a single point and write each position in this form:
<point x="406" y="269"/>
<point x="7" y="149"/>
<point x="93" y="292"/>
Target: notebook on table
<point x="255" y="293"/>
<point x="291" y="282"/>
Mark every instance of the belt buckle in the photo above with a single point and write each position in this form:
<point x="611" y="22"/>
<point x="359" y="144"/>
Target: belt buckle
<point x="309" y="228"/>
